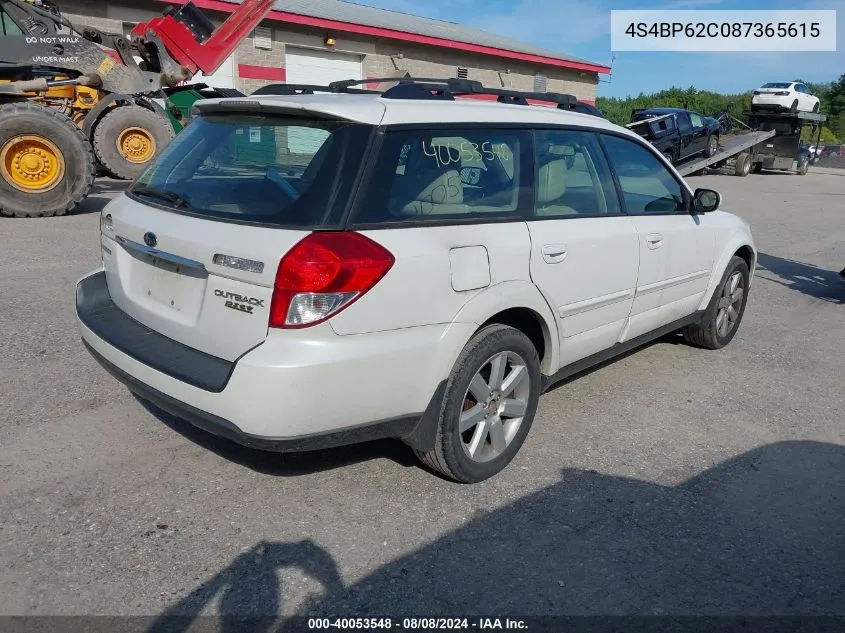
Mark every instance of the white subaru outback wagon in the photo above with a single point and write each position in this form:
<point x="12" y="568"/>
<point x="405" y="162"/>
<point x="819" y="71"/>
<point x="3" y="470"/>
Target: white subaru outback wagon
<point x="312" y="270"/>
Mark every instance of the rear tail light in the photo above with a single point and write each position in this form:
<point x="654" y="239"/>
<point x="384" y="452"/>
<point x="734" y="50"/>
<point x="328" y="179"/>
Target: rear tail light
<point x="324" y="274"/>
<point x="757" y="92"/>
<point x="783" y="93"/>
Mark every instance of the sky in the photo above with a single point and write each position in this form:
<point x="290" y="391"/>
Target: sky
<point x="581" y="28"/>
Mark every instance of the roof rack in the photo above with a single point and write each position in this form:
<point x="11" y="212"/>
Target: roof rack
<point x="305" y="89"/>
<point x="448" y="89"/>
<point x="423" y="88"/>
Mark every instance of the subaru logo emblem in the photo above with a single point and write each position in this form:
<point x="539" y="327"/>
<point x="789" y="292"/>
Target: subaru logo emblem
<point x="150" y="240"/>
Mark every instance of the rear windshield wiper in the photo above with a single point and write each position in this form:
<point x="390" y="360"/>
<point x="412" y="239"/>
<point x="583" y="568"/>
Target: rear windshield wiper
<point x="168" y="196"/>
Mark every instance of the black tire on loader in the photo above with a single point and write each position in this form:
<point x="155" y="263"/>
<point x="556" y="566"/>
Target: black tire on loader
<point x="47" y="167"/>
<point x="127" y="139"/>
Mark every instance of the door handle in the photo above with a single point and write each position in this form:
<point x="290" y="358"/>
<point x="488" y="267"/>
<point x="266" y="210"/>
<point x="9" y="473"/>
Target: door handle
<point x="654" y="240"/>
<point x="554" y="253"/>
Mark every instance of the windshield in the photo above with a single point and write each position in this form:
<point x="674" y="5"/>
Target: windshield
<point x="261" y="168"/>
<point x="777" y="85"/>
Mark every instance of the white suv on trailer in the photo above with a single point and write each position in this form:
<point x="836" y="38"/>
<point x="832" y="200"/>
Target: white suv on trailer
<point x="297" y="272"/>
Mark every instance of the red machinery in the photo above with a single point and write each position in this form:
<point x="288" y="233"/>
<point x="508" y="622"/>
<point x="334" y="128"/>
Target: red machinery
<point x="188" y="38"/>
<point x="68" y="89"/>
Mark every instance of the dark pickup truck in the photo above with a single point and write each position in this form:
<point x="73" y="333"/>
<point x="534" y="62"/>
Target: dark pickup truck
<point x="677" y="133"/>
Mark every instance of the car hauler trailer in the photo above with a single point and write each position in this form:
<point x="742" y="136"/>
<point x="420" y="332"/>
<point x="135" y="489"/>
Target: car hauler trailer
<point x="772" y="142"/>
<point x="736" y="153"/>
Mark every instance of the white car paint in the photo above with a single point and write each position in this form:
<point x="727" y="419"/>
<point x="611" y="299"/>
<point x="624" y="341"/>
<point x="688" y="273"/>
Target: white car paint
<point x="784" y="95"/>
<point x="592" y="282"/>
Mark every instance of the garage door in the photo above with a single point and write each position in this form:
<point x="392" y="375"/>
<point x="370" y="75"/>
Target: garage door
<point x="223" y="78"/>
<point x="304" y="66"/>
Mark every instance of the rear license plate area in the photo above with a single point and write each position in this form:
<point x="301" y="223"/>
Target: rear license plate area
<point x="165" y="283"/>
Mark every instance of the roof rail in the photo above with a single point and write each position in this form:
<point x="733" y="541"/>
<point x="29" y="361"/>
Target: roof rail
<point x="305" y="89"/>
<point x="440" y="88"/>
<point x="424" y="88"/>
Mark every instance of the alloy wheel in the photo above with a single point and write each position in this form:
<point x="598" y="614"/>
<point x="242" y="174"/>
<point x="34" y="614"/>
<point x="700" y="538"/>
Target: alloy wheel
<point x="730" y="304"/>
<point x="494" y="406"/>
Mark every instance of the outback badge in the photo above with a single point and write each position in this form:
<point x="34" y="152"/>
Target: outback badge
<point x="239" y="302"/>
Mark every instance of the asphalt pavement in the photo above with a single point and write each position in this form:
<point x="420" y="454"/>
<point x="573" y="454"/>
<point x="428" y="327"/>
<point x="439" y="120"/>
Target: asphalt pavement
<point x="671" y="481"/>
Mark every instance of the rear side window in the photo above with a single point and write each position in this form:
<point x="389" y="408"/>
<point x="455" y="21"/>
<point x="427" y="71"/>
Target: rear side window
<point x="446" y="175"/>
<point x="573" y="178"/>
<point x="684" y="123"/>
<point x="266" y="169"/>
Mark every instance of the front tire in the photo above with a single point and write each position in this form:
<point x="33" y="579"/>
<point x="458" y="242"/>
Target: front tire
<point x="129" y="138"/>
<point x="488" y="406"/>
<point x="726" y="309"/>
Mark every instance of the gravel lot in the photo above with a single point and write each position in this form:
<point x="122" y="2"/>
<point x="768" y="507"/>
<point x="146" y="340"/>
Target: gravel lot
<point x="674" y="480"/>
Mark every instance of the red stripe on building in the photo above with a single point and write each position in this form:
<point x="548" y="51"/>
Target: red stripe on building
<point x="415" y="38"/>
<point x="266" y="73"/>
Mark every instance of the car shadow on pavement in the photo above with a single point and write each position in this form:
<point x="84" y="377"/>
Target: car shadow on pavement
<point x="808" y="279"/>
<point x="286" y="464"/>
<point x="760" y="534"/>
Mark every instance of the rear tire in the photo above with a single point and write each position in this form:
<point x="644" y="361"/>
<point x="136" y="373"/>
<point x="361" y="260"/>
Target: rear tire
<point x="794" y="107"/>
<point x="816" y="107"/>
<point x="46" y="164"/>
<point x="726" y="309"/>
<point x="127" y="139"/>
<point x="480" y="429"/>
<point x="712" y="146"/>
<point x="743" y="165"/>
<point x="670" y="157"/>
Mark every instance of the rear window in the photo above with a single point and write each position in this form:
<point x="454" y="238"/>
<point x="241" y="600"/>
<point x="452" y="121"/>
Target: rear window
<point x="777" y="85"/>
<point x="446" y="175"/>
<point x="266" y="169"/>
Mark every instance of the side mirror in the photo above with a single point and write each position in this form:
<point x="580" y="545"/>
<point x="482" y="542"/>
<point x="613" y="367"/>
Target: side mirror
<point x="706" y="201"/>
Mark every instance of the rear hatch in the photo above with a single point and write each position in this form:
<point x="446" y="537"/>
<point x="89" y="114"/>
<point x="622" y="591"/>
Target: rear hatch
<point x="191" y="251"/>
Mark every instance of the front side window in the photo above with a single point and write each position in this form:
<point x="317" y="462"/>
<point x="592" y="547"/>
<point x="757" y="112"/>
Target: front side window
<point x="684" y="122"/>
<point x="267" y="168"/>
<point x="573" y="178"/>
<point x="648" y="188"/>
<point x="697" y="120"/>
<point x="441" y="175"/>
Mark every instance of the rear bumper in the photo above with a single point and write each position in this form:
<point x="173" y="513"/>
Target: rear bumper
<point x="395" y="428"/>
<point x="97" y="312"/>
<point x="299" y="390"/>
<point x="772" y="101"/>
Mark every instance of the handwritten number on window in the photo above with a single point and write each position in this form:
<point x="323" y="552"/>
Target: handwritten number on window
<point x="448" y="153"/>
